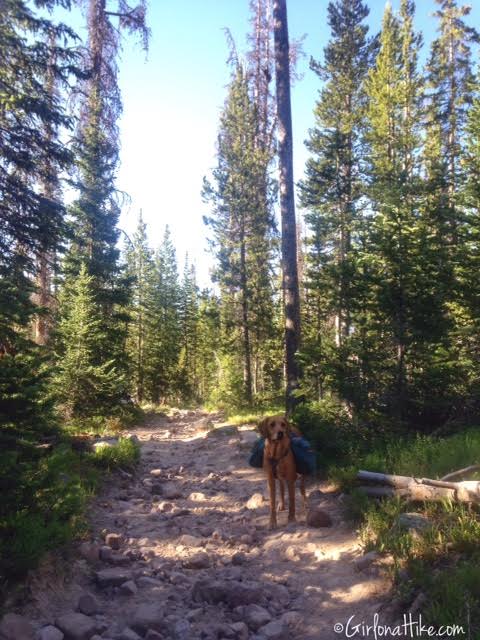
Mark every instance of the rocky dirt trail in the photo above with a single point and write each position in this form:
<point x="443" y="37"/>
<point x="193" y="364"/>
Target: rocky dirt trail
<point x="182" y="551"/>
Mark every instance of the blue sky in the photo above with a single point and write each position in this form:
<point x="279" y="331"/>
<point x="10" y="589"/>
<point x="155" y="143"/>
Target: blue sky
<point x="172" y="99"/>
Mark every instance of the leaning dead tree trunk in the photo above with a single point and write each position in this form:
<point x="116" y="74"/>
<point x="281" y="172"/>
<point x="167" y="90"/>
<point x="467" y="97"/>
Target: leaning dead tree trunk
<point x="420" y="489"/>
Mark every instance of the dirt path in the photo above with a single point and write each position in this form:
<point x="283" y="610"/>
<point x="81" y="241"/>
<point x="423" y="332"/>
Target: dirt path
<point x="196" y="559"/>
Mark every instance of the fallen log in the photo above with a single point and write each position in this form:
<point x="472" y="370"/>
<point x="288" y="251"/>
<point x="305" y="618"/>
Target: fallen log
<point x="462" y="472"/>
<point x="419" y="489"/>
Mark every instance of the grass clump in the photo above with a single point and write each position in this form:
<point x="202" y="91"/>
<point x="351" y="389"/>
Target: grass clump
<point x="125" y="455"/>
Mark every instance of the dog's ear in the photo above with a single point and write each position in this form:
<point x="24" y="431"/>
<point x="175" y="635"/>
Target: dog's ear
<point x="263" y="427"/>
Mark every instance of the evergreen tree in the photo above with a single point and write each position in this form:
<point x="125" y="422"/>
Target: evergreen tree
<point x="241" y="226"/>
<point x="162" y="341"/>
<point x="467" y="334"/>
<point x="209" y="348"/>
<point x="140" y="268"/>
<point x="31" y="217"/>
<point x="450" y="85"/>
<point x="450" y="81"/>
<point x="188" y="310"/>
<point x="94" y="215"/>
<point x="85" y="383"/>
<point x="392" y="112"/>
<point x="332" y="190"/>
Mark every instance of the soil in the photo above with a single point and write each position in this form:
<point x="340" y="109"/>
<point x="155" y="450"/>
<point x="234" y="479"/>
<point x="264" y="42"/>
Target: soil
<point x="187" y="522"/>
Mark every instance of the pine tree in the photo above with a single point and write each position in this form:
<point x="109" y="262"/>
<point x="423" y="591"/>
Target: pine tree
<point x="188" y="311"/>
<point x="241" y="229"/>
<point x="209" y="348"/>
<point x="162" y="341"/>
<point x="85" y="383"/>
<point x="140" y="268"/>
<point x="450" y="80"/>
<point x="403" y="251"/>
<point x="31" y="218"/>
<point x="333" y="187"/>
<point x="468" y="320"/>
<point x="94" y="215"/>
<point x="450" y="83"/>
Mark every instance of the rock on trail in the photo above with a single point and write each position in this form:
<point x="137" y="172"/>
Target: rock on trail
<point x="181" y="550"/>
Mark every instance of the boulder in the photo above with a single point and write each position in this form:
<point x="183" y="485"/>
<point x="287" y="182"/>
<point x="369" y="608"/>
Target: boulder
<point x="154" y="635"/>
<point x="170" y="491"/>
<point x="114" y="540"/>
<point x="128" y="634"/>
<point x="232" y="592"/>
<point x="256" y="501"/>
<point x="366" y="560"/>
<point x="226" y="430"/>
<point x="181" y="630"/>
<point x="315" y="496"/>
<point x="318" y="518"/>
<point x="148" y="616"/>
<point x="256" y="616"/>
<point x="76" y="626"/>
<point x="164" y="506"/>
<point x="148" y="582"/>
<point x="50" y="633"/>
<point x="190" y="541"/>
<point x="417" y="522"/>
<point x="15" y="627"/>
<point x="89" y="551"/>
<point x="200" y="560"/>
<point x="279" y="593"/>
<point x="129" y="588"/>
<point x="194" y="614"/>
<point x="88" y="604"/>
<point x="292" y="619"/>
<point x="197" y="496"/>
<point x="113" y="577"/>
<point x="274" y="630"/>
<point x="240" y="630"/>
<point x="239" y="558"/>
<point x="249" y="437"/>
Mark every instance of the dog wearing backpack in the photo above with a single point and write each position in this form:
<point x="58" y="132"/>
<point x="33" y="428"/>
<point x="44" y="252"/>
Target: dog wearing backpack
<point x="281" y="441"/>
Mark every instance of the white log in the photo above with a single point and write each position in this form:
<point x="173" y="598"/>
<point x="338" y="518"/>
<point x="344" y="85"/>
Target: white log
<point x="462" y="472"/>
<point x="419" y="489"/>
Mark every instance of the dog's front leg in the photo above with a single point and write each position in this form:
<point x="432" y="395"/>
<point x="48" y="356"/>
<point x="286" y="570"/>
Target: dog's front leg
<point x="273" y="510"/>
<point x="281" y="506"/>
<point x="291" y="500"/>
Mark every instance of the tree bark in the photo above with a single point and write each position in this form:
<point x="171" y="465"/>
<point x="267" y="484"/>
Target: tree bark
<point x="291" y="299"/>
<point x="247" y="363"/>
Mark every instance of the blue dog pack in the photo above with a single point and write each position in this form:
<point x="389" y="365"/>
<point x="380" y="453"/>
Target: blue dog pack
<point x="302" y="451"/>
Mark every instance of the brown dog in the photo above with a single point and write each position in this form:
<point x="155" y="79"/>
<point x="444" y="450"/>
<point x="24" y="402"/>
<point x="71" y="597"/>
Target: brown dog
<point x="279" y="463"/>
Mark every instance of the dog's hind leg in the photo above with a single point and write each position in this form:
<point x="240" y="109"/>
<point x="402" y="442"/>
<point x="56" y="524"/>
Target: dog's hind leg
<point x="291" y="500"/>
<point x="302" y="491"/>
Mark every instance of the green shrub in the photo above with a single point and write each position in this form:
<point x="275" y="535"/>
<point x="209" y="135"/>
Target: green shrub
<point x="125" y="454"/>
<point x="45" y="496"/>
<point x="330" y="430"/>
